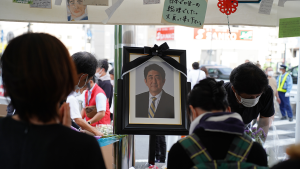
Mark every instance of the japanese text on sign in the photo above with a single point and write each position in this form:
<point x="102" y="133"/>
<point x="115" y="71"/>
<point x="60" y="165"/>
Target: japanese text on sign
<point x="185" y="12"/>
<point x="289" y="27"/>
<point x="41" y="4"/>
<point x="165" y="33"/>
<point x="223" y="34"/>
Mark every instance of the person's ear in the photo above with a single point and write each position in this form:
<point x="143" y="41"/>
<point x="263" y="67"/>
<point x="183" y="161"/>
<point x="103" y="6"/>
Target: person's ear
<point x="233" y="89"/>
<point x="82" y="76"/>
<point x="228" y="109"/>
<point x="193" y="111"/>
<point x="145" y="80"/>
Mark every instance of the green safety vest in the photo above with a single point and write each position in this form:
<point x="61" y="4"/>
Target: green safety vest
<point x="280" y="84"/>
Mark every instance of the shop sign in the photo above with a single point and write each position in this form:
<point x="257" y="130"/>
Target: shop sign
<point x="223" y="34"/>
<point x="165" y="33"/>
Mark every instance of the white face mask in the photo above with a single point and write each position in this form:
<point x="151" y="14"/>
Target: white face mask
<point x="77" y="87"/>
<point x="280" y="71"/>
<point x="270" y="73"/>
<point x="112" y="82"/>
<point x="248" y="102"/>
<point x="98" y="75"/>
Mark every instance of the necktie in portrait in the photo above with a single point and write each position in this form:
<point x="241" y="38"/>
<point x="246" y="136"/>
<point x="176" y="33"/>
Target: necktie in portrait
<point x="152" y="108"/>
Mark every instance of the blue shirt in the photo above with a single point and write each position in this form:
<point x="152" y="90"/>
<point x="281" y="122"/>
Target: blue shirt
<point x="288" y="84"/>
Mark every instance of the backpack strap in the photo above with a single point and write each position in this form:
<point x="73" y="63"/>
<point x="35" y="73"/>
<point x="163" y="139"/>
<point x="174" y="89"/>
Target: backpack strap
<point x="195" y="150"/>
<point x="239" y="149"/>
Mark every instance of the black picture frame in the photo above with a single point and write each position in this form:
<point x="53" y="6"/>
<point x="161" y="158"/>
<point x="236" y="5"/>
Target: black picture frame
<point x="123" y="126"/>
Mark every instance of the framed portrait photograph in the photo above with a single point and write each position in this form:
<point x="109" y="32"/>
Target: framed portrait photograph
<point x="153" y="95"/>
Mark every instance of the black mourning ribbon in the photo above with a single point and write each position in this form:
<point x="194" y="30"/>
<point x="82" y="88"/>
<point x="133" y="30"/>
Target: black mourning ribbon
<point x="155" y="51"/>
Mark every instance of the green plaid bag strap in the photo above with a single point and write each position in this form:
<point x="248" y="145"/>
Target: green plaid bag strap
<point x="195" y="150"/>
<point x="239" y="149"/>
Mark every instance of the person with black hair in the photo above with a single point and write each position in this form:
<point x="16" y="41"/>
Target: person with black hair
<point x="96" y="99"/>
<point x="38" y="74"/>
<point x="155" y="103"/>
<point x="195" y="75"/>
<point x="215" y="133"/>
<point x="104" y="79"/>
<point x="250" y="95"/>
<point x="86" y="66"/>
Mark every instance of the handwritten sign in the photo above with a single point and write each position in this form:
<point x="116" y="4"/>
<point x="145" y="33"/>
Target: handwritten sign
<point x="289" y="27"/>
<point x="23" y="1"/>
<point x="96" y="2"/>
<point x="185" y="12"/>
<point x="265" y="7"/>
<point x="282" y="2"/>
<point x="147" y="2"/>
<point x="41" y="4"/>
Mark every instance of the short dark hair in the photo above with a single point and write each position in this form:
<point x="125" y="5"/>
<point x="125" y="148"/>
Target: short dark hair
<point x="155" y="67"/>
<point x="85" y="63"/>
<point x="195" y="65"/>
<point x="103" y="63"/>
<point x="248" y="78"/>
<point x="41" y="67"/>
<point x="208" y="95"/>
<point x="111" y="72"/>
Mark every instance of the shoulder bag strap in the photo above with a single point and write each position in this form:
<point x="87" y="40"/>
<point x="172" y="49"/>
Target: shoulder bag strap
<point x="195" y="150"/>
<point x="239" y="149"/>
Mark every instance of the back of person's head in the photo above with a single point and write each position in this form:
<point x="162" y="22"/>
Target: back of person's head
<point x="155" y="67"/>
<point x="103" y="63"/>
<point x="111" y="72"/>
<point x="195" y="65"/>
<point x="85" y="62"/>
<point x="209" y="95"/>
<point x="248" y="78"/>
<point x="38" y="73"/>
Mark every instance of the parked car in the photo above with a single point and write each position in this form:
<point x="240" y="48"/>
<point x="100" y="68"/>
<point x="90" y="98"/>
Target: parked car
<point x="294" y="73"/>
<point x="218" y="71"/>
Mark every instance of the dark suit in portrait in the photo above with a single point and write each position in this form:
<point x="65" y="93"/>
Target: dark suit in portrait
<point x="165" y="108"/>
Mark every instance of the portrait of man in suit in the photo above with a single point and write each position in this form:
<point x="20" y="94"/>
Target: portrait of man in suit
<point x="154" y="103"/>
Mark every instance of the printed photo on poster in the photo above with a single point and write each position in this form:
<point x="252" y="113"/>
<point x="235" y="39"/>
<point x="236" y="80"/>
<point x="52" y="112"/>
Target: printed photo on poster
<point x="76" y="10"/>
<point x="155" y="93"/>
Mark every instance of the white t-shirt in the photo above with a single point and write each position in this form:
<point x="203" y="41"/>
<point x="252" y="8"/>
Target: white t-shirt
<point x="100" y="100"/>
<point x="194" y="76"/>
<point x="74" y="106"/>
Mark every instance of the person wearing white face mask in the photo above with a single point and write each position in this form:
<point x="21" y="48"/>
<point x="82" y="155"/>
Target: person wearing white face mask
<point x="104" y="80"/>
<point x="216" y="134"/>
<point x="250" y="95"/>
<point x="285" y="85"/>
<point x="86" y="65"/>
